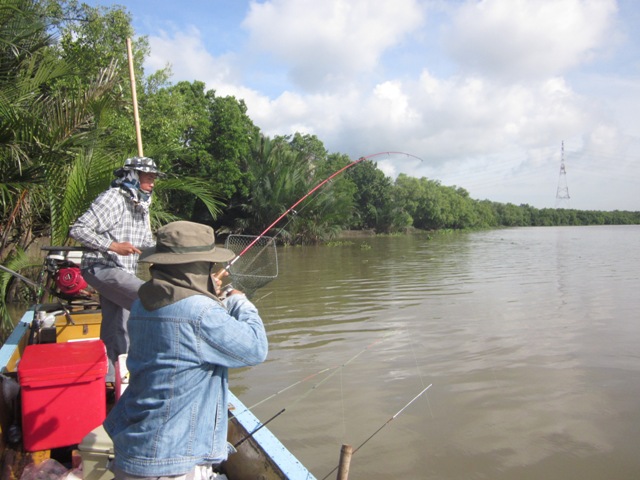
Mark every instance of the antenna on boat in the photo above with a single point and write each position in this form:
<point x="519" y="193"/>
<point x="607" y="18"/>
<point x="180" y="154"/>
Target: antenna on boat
<point x="134" y="97"/>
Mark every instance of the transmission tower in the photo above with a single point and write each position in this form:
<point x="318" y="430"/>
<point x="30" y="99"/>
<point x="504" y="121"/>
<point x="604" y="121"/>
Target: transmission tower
<point x="562" y="194"/>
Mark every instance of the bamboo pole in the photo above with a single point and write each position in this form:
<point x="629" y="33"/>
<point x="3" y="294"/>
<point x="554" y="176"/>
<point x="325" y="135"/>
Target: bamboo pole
<point x="136" y="117"/>
<point x="345" y="461"/>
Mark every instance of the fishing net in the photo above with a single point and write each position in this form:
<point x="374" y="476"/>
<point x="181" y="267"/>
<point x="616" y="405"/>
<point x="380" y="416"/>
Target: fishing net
<point x="257" y="266"/>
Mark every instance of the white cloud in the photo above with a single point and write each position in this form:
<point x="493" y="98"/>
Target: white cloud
<point x="529" y="38"/>
<point x="324" y="43"/>
<point x="186" y="54"/>
<point x="494" y="126"/>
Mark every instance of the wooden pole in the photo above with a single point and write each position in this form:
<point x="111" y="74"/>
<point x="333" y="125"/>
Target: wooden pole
<point x="136" y="117"/>
<point x="345" y="461"/>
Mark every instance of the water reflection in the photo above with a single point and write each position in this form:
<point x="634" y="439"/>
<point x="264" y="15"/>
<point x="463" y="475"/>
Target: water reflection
<point x="528" y="336"/>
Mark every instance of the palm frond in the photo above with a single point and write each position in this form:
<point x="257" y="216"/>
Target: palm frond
<point x="19" y="262"/>
<point x="201" y="189"/>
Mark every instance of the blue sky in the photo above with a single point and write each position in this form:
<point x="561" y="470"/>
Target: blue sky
<point x="485" y="92"/>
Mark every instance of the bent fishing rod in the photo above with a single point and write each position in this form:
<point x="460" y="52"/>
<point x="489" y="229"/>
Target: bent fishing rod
<point x="226" y="269"/>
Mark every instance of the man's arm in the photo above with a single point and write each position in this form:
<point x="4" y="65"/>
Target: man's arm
<point x="92" y="228"/>
<point x="236" y="338"/>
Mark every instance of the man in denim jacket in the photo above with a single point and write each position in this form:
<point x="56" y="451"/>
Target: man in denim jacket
<point x="171" y="421"/>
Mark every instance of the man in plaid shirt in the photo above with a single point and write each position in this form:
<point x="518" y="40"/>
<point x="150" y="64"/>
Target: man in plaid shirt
<point x="116" y="226"/>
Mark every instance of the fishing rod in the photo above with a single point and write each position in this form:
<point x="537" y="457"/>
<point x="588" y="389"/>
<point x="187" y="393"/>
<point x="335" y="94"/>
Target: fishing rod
<point x="38" y="291"/>
<point x="226" y="269"/>
<point x="383" y="425"/>
<point x="289" y="387"/>
<point x="37" y="288"/>
<point x="393" y="417"/>
<point x="247" y="437"/>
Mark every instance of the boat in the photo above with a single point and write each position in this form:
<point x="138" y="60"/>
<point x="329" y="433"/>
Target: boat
<point x="53" y="391"/>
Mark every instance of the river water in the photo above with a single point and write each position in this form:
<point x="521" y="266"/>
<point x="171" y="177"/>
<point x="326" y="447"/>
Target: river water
<point x="529" y="338"/>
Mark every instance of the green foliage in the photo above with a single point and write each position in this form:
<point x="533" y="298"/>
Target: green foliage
<point x="339" y="243"/>
<point x="19" y="261"/>
<point x="372" y="197"/>
<point x="166" y="189"/>
<point x="89" y="39"/>
<point x="92" y="37"/>
<point x="232" y="137"/>
<point x="43" y="130"/>
<point x="309" y="146"/>
<point x="278" y="178"/>
<point x="66" y="122"/>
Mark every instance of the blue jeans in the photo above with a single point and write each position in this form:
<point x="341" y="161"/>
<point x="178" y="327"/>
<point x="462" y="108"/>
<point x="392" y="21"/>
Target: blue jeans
<point x="199" y="472"/>
<point x="118" y="290"/>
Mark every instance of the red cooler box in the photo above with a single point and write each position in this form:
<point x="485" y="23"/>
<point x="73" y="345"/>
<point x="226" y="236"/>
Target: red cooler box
<point x="63" y="392"/>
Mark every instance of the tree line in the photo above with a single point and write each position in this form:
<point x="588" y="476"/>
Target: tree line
<point x="66" y="123"/>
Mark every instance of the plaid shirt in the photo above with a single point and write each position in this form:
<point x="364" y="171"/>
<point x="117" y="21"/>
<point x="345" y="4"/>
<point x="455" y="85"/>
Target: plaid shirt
<point x="113" y="217"/>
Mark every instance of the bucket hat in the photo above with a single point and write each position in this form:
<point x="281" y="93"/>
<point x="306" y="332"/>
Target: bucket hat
<point x="141" y="164"/>
<point x="185" y="242"/>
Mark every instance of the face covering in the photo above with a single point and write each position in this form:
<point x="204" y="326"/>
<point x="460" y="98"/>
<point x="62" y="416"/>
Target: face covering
<point x="130" y="185"/>
<point x="172" y="283"/>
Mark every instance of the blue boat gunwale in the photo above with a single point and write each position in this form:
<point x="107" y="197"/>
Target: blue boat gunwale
<point x="13" y="342"/>
<point x="290" y="466"/>
<point x="272" y="447"/>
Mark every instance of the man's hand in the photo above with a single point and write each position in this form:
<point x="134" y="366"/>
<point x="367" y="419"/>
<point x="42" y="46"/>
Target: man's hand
<point x="229" y="290"/>
<point x="123" y="248"/>
<point x="217" y="284"/>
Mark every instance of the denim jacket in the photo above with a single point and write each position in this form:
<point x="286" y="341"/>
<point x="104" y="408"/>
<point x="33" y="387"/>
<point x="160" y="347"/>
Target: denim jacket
<point x="173" y="414"/>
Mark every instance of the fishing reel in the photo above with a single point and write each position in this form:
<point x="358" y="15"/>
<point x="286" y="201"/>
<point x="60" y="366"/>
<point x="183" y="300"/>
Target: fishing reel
<point x="226" y="290"/>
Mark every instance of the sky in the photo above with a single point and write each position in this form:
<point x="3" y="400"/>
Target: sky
<point x="493" y="96"/>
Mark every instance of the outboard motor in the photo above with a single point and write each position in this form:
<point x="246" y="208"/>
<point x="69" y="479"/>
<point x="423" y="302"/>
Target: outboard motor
<point x="63" y="267"/>
<point x="69" y="281"/>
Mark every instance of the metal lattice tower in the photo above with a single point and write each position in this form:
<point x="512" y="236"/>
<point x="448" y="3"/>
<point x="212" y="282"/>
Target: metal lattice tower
<point x="562" y="194"/>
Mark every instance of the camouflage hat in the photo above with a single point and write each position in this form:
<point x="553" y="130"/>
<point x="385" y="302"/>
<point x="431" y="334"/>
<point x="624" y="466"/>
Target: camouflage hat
<point x="141" y="164"/>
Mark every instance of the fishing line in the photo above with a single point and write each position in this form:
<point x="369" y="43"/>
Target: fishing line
<point x="221" y="273"/>
<point x="258" y="300"/>
<point x="383" y="425"/>
<point x="333" y="370"/>
<point x="307" y="378"/>
<point x="415" y="358"/>
<point x="338" y="369"/>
